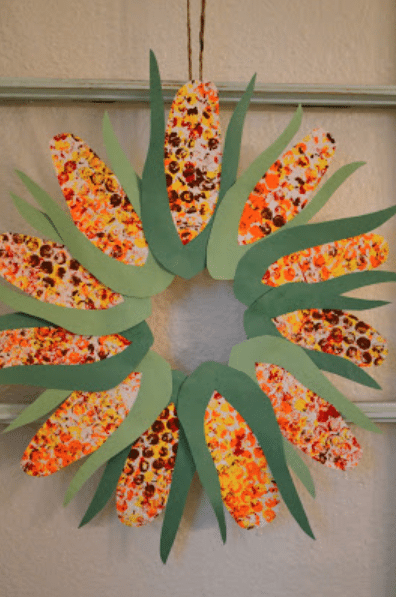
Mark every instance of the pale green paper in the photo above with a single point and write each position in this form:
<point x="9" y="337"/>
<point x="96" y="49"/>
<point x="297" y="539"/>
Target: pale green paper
<point x="153" y="396"/>
<point x="299" y="467"/>
<point x="280" y="352"/>
<point x="44" y="404"/>
<point x="95" y="322"/>
<point x="131" y="280"/>
<point x="223" y="251"/>
<point x="120" y="164"/>
<point x="37" y="219"/>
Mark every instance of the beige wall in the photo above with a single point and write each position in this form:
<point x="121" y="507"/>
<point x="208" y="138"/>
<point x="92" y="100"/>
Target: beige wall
<point x="42" y="553"/>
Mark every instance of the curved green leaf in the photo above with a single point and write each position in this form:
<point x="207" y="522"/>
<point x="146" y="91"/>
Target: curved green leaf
<point x="90" y="377"/>
<point x="224" y="253"/>
<point x="298" y="465"/>
<point x="251" y="268"/>
<point x="153" y="396"/>
<point x="95" y="322"/>
<point x="44" y="404"/>
<point x="181" y="483"/>
<point x="280" y="352"/>
<point x="36" y="218"/>
<point x="137" y="281"/>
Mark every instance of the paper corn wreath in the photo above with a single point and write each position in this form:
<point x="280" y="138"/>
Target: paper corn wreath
<point x="86" y="288"/>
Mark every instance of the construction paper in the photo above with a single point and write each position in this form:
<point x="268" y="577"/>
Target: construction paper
<point x="136" y="281"/>
<point x="317" y="264"/>
<point x="194" y="396"/>
<point x="181" y="483"/>
<point x="144" y="484"/>
<point x="232" y="143"/>
<point x="120" y="164"/>
<point x="90" y="377"/>
<point x="184" y="260"/>
<point x="248" y="489"/>
<point x="257" y="323"/>
<point x="46" y="402"/>
<point x="114" y="467"/>
<point x="99" y="322"/>
<point x="79" y="427"/>
<point x="299" y="467"/>
<point x="293" y="296"/>
<point x="36" y="218"/>
<point x="308" y="421"/>
<point x="223" y="251"/>
<point x="280" y="352"/>
<point x="286" y="188"/>
<point x="251" y="268"/>
<point x="155" y="390"/>
<point x="107" y="485"/>
<point x="193" y="155"/>
<point x="97" y="203"/>
<point x="334" y="332"/>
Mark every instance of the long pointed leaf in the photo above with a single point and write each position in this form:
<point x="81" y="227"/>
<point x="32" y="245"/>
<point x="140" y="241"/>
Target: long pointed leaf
<point x="44" y="404"/>
<point x="36" y="218"/>
<point x="298" y="465"/>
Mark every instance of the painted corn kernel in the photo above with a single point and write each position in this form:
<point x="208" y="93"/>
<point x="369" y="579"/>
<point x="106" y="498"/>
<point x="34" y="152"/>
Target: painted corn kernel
<point x="144" y="485"/>
<point x="193" y="157"/>
<point x="334" y="332"/>
<point x="98" y="205"/>
<point x="79" y="426"/>
<point x="317" y="264"/>
<point x="247" y="487"/>
<point x="308" y="421"/>
<point x="286" y="187"/>
<point x="56" y="346"/>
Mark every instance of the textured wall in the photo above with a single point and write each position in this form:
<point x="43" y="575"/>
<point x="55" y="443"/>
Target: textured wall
<point x="42" y="553"/>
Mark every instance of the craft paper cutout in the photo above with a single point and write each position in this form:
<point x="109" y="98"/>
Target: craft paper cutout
<point x="334" y="332"/>
<point x="286" y="187"/>
<point x="193" y="157"/>
<point x="78" y="427"/>
<point x="310" y="423"/>
<point x="363" y="252"/>
<point x="247" y="487"/>
<point x="145" y="481"/>
<point x="120" y="403"/>
<point x="97" y="202"/>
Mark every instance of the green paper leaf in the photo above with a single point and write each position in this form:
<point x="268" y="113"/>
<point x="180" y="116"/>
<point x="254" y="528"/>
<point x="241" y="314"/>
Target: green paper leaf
<point x="253" y="265"/>
<point x="181" y="482"/>
<point x="232" y="143"/>
<point x="137" y="281"/>
<point x="280" y="352"/>
<point x="45" y="403"/>
<point x="115" y="465"/>
<point x="256" y="323"/>
<point x="107" y="485"/>
<point x="224" y="253"/>
<point x="90" y="377"/>
<point x="120" y="164"/>
<point x="153" y="396"/>
<point x="258" y="413"/>
<point x="36" y="218"/>
<point x="298" y="465"/>
<point x="183" y="260"/>
<point x="95" y="322"/>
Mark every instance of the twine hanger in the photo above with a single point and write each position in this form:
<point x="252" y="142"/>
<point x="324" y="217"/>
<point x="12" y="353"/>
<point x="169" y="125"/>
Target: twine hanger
<point x="201" y="40"/>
